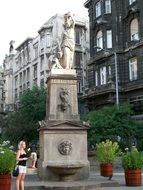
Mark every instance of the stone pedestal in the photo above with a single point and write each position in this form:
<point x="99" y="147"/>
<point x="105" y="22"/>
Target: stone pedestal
<point x="62" y="95"/>
<point x="63" y="137"/>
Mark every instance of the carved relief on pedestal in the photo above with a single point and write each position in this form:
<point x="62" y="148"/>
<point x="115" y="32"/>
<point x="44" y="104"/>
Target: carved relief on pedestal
<point x="65" y="147"/>
<point x="64" y="99"/>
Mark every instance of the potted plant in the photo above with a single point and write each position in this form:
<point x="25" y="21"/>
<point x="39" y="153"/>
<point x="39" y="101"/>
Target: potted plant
<point x="106" y="153"/>
<point x="7" y="163"/>
<point x="132" y="162"/>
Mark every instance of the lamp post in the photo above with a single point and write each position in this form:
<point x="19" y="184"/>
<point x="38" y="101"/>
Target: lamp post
<point x="116" y="73"/>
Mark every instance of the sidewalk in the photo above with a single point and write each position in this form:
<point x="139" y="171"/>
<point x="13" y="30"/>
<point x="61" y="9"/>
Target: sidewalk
<point x="95" y="181"/>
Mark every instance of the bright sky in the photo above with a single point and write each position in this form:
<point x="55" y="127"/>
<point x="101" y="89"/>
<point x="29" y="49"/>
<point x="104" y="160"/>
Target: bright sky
<point x="20" y="19"/>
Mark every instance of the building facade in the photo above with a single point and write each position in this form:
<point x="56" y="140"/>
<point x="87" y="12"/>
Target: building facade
<point x="30" y="65"/>
<point x="8" y="91"/>
<point x="116" y="39"/>
<point x="1" y="90"/>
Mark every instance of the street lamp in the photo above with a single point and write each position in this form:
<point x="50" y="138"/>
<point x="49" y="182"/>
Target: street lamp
<point x="116" y="72"/>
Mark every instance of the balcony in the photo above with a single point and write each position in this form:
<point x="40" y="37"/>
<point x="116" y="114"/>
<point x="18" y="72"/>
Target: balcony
<point x="98" y="90"/>
<point x="133" y="85"/>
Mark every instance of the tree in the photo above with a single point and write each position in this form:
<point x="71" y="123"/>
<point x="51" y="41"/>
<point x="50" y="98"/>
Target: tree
<point x="114" y="124"/>
<point x="33" y="104"/>
<point x="23" y="124"/>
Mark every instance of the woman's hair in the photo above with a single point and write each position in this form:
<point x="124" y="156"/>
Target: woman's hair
<point x="20" y="144"/>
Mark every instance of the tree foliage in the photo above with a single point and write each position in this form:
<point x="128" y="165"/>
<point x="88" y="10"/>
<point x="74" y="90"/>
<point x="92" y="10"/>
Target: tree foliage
<point x="22" y="124"/>
<point x="114" y="124"/>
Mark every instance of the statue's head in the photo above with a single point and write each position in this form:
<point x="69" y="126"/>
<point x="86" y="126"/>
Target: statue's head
<point x="68" y="19"/>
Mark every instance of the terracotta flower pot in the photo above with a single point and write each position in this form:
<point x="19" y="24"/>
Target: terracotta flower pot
<point x="133" y="177"/>
<point x="5" y="182"/>
<point x="106" y="170"/>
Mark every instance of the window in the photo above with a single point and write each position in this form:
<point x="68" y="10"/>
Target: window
<point x="107" y="6"/>
<point x="42" y="82"/>
<point x="48" y="40"/>
<point x="26" y="54"/>
<point x="79" y="87"/>
<point x="133" y="69"/>
<point x="134" y="30"/>
<point x="109" y="70"/>
<point x="19" y="59"/>
<point x="16" y="94"/>
<point x="78" y="36"/>
<point x="96" y="78"/>
<point x="109" y="38"/>
<point x="20" y="91"/>
<point x="103" y="75"/>
<point x="131" y="1"/>
<point x="99" y="38"/>
<point x="42" y="63"/>
<point x="23" y="57"/>
<point x="20" y="80"/>
<point x="78" y="58"/>
<point x="35" y="71"/>
<point x="28" y="74"/>
<point x="24" y="87"/>
<point x="24" y="76"/>
<point x="98" y="8"/>
<point x="16" y="81"/>
<point x="28" y="85"/>
<point x="36" y="52"/>
<point x="16" y="61"/>
<point x="42" y="42"/>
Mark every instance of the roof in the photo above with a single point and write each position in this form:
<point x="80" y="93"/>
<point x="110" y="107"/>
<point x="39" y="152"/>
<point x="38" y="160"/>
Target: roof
<point x="26" y="40"/>
<point x="87" y="3"/>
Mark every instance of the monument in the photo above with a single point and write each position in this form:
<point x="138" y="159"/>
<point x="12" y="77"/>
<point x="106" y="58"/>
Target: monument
<point x="63" y="137"/>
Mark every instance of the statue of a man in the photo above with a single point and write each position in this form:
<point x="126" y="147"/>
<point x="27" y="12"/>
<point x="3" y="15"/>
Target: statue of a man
<point x="68" y="42"/>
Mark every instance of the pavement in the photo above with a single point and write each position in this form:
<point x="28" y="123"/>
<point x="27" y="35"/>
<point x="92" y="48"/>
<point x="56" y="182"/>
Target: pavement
<point x="94" y="182"/>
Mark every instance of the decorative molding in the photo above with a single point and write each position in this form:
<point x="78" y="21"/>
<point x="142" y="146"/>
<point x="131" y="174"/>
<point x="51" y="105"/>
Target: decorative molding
<point x="65" y="147"/>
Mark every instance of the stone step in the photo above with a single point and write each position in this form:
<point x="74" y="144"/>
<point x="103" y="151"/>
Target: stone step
<point x="31" y="170"/>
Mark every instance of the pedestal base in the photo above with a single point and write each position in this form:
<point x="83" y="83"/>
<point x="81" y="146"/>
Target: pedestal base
<point x="63" y="152"/>
<point x="63" y="173"/>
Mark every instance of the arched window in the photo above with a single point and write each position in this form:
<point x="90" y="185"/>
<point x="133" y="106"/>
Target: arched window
<point x="99" y="39"/>
<point x="134" y="30"/>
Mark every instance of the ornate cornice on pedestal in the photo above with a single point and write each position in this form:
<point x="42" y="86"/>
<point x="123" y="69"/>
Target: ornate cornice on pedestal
<point x="63" y="125"/>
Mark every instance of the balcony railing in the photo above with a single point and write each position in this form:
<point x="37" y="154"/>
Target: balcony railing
<point x="102" y="89"/>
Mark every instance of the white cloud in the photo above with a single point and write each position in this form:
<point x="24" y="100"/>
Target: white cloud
<point x="20" y="19"/>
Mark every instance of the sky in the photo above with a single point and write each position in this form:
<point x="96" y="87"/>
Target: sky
<point x="20" y="19"/>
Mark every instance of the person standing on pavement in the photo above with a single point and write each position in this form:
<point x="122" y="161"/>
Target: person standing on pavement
<point x="21" y="158"/>
<point x="33" y="157"/>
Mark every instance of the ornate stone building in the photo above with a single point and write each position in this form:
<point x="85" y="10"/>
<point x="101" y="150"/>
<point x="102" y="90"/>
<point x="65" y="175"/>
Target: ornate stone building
<point x="8" y="91"/>
<point x="116" y="39"/>
<point x="29" y="65"/>
<point x="1" y="90"/>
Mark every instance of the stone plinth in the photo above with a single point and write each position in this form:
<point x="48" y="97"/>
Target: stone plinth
<point x="73" y="152"/>
<point x="63" y="137"/>
<point x="62" y="95"/>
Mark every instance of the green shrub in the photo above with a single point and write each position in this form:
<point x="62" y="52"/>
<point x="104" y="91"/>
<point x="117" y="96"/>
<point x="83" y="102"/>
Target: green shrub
<point x="107" y="151"/>
<point x="7" y="158"/>
<point x="132" y="160"/>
